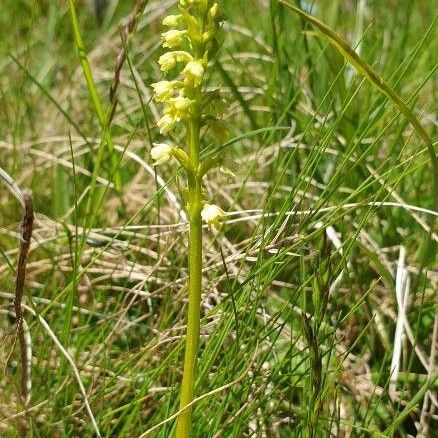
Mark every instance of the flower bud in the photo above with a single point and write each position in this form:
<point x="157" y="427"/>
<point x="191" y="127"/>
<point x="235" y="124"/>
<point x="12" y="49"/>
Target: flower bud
<point x="194" y="71"/>
<point x="172" y="20"/>
<point x="208" y="36"/>
<point x="212" y="214"/>
<point x="173" y="38"/>
<point x="166" y="123"/>
<point x="213" y="13"/>
<point x="161" y="153"/>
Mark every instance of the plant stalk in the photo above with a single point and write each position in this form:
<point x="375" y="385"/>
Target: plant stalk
<point x="195" y="276"/>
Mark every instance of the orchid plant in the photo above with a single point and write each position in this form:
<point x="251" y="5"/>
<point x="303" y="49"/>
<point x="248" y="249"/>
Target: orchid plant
<point x="192" y="40"/>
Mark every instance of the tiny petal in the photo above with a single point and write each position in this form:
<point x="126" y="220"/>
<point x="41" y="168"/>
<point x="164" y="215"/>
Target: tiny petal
<point x="212" y="214"/>
<point x="173" y="38"/>
<point x="194" y="72"/>
<point x="166" y="123"/>
<point x="172" y="20"/>
<point x="214" y="11"/>
<point x="161" y="153"/>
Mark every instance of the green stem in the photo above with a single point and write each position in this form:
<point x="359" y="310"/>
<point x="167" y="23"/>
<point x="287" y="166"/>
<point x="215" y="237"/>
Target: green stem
<point x="104" y="119"/>
<point x="195" y="275"/>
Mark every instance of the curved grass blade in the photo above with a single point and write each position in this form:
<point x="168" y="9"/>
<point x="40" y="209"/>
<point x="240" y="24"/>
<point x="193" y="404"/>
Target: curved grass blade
<point x="364" y="69"/>
<point x="94" y="96"/>
<point x="413" y="404"/>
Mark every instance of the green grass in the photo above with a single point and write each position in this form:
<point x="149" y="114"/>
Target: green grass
<point x="297" y="333"/>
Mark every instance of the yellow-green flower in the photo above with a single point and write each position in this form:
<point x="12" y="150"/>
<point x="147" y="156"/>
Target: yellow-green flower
<point x="166" y="123"/>
<point x="173" y="38"/>
<point x="213" y="215"/>
<point x="172" y="20"/>
<point x="178" y="107"/>
<point x="161" y="153"/>
<point x="194" y="72"/>
<point x="164" y="90"/>
<point x="169" y="59"/>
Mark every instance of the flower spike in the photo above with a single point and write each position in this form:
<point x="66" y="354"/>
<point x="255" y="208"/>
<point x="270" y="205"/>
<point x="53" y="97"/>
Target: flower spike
<point x="191" y="40"/>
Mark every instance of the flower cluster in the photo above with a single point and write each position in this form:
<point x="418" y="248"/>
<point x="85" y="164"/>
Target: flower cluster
<point x="191" y="41"/>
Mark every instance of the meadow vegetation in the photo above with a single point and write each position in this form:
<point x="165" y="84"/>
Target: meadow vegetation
<point x="318" y="305"/>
